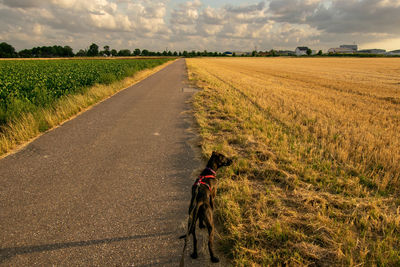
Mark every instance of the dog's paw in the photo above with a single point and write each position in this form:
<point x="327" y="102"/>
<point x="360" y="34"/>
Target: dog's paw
<point x="214" y="259"/>
<point x="194" y="255"/>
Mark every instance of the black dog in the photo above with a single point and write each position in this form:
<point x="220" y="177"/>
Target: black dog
<point x="202" y="204"/>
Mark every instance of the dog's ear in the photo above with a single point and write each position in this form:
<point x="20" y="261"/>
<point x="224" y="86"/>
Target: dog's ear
<point x="227" y="161"/>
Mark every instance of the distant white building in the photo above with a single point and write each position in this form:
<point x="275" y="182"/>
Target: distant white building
<point x="352" y="47"/>
<point x="341" y="50"/>
<point x="301" y="50"/>
<point x="344" y="49"/>
<point x="394" y="53"/>
<point x="372" y="51"/>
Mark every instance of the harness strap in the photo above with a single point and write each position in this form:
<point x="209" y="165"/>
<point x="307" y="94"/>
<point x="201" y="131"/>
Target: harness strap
<point x="211" y="171"/>
<point x="200" y="181"/>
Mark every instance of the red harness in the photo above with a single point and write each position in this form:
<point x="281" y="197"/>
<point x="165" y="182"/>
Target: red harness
<point x="200" y="181"/>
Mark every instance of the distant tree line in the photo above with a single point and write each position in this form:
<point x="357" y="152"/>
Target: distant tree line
<point x="8" y="51"/>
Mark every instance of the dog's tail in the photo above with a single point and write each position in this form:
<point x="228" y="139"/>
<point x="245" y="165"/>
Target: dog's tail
<point x="192" y="219"/>
<point x="191" y="224"/>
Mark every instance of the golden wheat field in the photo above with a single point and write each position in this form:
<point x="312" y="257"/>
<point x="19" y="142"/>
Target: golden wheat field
<point x="317" y="148"/>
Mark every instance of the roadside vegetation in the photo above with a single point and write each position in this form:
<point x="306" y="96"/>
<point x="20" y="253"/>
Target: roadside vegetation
<point x="37" y="95"/>
<point x="316" y="177"/>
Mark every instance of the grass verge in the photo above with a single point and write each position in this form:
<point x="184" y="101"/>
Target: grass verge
<point x="284" y="201"/>
<point x="17" y="133"/>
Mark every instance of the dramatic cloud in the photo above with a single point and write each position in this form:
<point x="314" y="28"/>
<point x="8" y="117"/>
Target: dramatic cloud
<point x="22" y="3"/>
<point x="353" y="16"/>
<point x="292" y="11"/>
<point x="194" y="25"/>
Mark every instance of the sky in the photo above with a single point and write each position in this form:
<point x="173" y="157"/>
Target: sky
<point x="177" y="25"/>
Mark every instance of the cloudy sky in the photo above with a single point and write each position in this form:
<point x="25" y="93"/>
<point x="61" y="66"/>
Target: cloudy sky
<point x="201" y="24"/>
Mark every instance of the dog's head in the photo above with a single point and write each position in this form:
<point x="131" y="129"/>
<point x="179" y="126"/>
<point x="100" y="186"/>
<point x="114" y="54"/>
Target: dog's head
<point x="218" y="160"/>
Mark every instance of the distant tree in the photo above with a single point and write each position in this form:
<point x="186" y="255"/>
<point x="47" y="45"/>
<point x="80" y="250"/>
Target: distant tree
<point x="169" y="53"/>
<point x="254" y="53"/>
<point x="51" y="51"/>
<point x="124" y="53"/>
<point x="180" y="53"/>
<point x="58" y="51"/>
<point x="25" y="53"/>
<point x="145" y="52"/>
<point x="7" y="50"/>
<point x="164" y="53"/>
<point x="136" y="52"/>
<point x="233" y="54"/>
<point x="81" y="53"/>
<point x="156" y="54"/>
<point x="43" y="51"/>
<point x="93" y="50"/>
<point x="106" y="50"/>
<point x="35" y="52"/>
<point x="320" y="53"/>
<point x="114" y="52"/>
<point x="309" y="52"/>
<point x="185" y="53"/>
<point x="175" y="53"/>
<point x="67" y="51"/>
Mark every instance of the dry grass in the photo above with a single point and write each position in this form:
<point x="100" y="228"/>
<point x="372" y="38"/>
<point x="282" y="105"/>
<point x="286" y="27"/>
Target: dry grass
<point x="18" y="133"/>
<point x="317" y="146"/>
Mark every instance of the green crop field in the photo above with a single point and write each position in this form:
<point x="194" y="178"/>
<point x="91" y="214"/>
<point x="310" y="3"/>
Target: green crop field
<point x="28" y="85"/>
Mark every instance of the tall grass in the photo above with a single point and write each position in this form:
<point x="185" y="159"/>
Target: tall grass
<point x="316" y="179"/>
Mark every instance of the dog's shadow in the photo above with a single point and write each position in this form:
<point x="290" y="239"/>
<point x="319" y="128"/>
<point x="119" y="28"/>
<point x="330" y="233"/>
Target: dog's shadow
<point x="7" y="253"/>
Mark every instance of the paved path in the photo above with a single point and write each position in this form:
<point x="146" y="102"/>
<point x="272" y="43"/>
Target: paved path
<point x="108" y="188"/>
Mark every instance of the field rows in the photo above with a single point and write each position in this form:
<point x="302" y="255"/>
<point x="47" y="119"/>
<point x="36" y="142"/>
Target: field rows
<point x="36" y="95"/>
<point x="317" y="143"/>
<point x="355" y="122"/>
<point x="27" y="85"/>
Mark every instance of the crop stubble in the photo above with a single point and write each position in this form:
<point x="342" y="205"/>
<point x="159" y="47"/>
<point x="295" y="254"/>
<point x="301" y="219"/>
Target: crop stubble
<point x="318" y="147"/>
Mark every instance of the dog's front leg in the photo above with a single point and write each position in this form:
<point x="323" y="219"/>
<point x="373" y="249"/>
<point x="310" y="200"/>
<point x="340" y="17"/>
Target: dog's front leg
<point x="212" y="197"/>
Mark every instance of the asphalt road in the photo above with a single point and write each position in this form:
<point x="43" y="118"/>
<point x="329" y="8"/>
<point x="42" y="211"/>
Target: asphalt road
<point x="108" y="188"/>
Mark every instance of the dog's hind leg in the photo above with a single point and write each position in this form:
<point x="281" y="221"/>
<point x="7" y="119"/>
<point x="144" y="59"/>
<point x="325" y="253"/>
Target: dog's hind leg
<point x="201" y="218"/>
<point x="194" y="255"/>
<point x="210" y="227"/>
